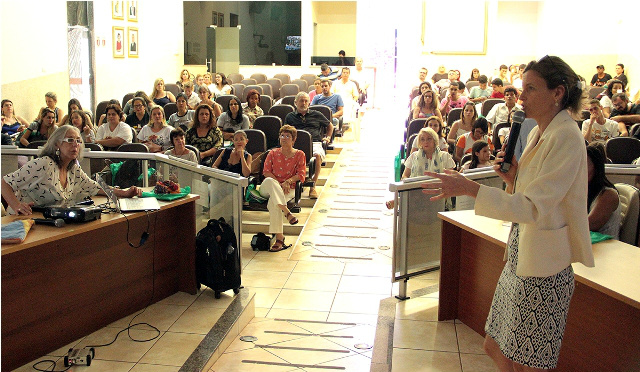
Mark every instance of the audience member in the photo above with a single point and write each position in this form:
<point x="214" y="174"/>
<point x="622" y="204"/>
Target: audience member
<point x="157" y="134"/>
<point x="441" y="74"/>
<point x="620" y="74"/>
<point x="348" y="90"/>
<point x="235" y="159"/>
<point x="57" y="171"/>
<point x="80" y="120"/>
<point x="317" y="84"/>
<point x="422" y="76"/>
<point x="114" y="132"/>
<point x="160" y="96"/>
<point x="443" y="84"/>
<point x="51" y="99"/>
<point x="317" y="125"/>
<point x="613" y="86"/>
<point x="251" y="108"/>
<point x="600" y="78"/>
<point x="283" y="167"/>
<point x="113" y="101"/>
<point x="183" y="118"/>
<point x="480" y="157"/>
<point x="334" y="101"/>
<point x="326" y="73"/>
<point x="427" y="106"/>
<point x="185" y="76"/>
<point x="140" y="117"/>
<point x="40" y="129"/>
<point x="148" y="103"/>
<point x="220" y="85"/>
<point x="233" y="119"/>
<point x="179" y="151"/>
<point x="453" y="100"/>
<point x="207" y="80"/>
<point x="342" y="60"/>
<point x="480" y="93"/>
<point x="199" y="81"/>
<point x="436" y="124"/>
<point x="623" y="111"/>
<point x="205" y="97"/>
<point x="475" y="75"/>
<point x="525" y="128"/>
<point x="602" y="199"/>
<point x="192" y="98"/>
<point x="516" y="80"/>
<point x="498" y="88"/>
<point x="73" y="105"/>
<point x="363" y="78"/>
<point x="12" y="124"/>
<point x="204" y="134"/>
<point x="499" y="113"/>
<point x="503" y="73"/>
<point x="464" y="124"/>
<point x="599" y="128"/>
<point x="421" y="89"/>
<point x="479" y="131"/>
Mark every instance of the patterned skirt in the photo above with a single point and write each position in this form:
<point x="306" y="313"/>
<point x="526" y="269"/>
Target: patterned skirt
<point x="528" y="314"/>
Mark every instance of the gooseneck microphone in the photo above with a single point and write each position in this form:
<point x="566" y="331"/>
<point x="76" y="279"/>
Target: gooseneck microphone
<point x="518" y="118"/>
<point x="58" y="222"/>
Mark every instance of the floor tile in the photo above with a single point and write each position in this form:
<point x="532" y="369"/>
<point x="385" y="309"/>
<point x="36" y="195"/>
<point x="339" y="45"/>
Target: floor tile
<point x="273" y="279"/>
<point x="304" y="300"/>
<point x="172" y="349"/>
<point x="352" y="363"/>
<point x="424" y="361"/>
<point x="232" y="362"/>
<point x="420" y="308"/>
<point x="470" y="342"/>
<point x="319" y="267"/>
<point x="361" y="269"/>
<point x="313" y="282"/>
<point x="298" y="314"/>
<point x="371" y="319"/>
<point x="357" y="303"/>
<point x="265" y="297"/>
<point x="158" y="315"/>
<point x="207" y="299"/>
<point x="153" y="368"/>
<point x="477" y="363"/>
<point x="261" y="312"/>
<point x="271" y="265"/>
<point x="321" y="350"/>
<point x="179" y="298"/>
<point x="364" y="284"/>
<point x="197" y="320"/>
<point x="412" y="334"/>
<point x="124" y="349"/>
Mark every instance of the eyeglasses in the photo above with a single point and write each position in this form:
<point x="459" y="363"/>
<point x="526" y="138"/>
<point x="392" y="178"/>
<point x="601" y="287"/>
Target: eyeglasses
<point x="73" y="140"/>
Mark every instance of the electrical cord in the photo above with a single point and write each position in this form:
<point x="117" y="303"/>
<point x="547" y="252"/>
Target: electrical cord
<point x="130" y="326"/>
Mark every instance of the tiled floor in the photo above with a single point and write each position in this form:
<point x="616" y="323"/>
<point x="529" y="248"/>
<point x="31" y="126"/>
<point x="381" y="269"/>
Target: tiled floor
<point x="317" y="303"/>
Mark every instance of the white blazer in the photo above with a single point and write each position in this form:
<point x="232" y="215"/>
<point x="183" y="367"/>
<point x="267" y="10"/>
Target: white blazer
<point x="549" y="200"/>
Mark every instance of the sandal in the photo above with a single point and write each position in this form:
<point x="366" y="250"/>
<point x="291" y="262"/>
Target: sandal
<point x="291" y="218"/>
<point x="279" y="246"/>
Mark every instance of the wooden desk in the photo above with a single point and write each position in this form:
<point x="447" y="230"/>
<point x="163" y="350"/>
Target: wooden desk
<point x="63" y="283"/>
<point x="603" y="326"/>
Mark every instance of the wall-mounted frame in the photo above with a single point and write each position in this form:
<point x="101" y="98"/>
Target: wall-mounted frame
<point x="118" y="42"/>
<point x="435" y="26"/>
<point x="132" y="11"/>
<point x="117" y="9"/>
<point x="132" y="39"/>
<point x="214" y="18"/>
<point x="220" y="19"/>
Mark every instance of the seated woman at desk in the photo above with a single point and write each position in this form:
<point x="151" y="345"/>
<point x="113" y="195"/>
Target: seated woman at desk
<point x="602" y="199"/>
<point x="236" y="159"/>
<point x="54" y="176"/>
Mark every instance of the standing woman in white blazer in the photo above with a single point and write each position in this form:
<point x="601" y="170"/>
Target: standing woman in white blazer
<point x="545" y="199"/>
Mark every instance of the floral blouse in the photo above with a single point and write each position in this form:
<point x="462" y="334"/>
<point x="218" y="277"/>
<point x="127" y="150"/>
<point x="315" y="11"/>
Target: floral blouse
<point x="211" y="140"/>
<point x="38" y="181"/>
<point x="252" y="113"/>
<point x="283" y="168"/>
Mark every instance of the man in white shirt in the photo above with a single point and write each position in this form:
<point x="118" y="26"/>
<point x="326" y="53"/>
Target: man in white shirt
<point x="348" y="90"/>
<point x="362" y="77"/>
<point x="500" y="112"/>
<point x="599" y="128"/>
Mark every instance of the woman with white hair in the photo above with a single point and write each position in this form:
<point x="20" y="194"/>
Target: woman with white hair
<point x="55" y="176"/>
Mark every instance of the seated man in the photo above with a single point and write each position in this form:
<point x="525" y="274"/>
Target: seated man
<point x="600" y="78"/>
<point x="481" y="92"/>
<point x="114" y="132"/>
<point x="192" y="98"/>
<point x="453" y="100"/>
<point x="445" y="83"/>
<point x="479" y="131"/>
<point x="623" y="111"/>
<point x="334" y="101"/>
<point x="499" y="113"/>
<point x="348" y="90"/>
<point x="326" y="73"/>
<point x="441" y="74"/>
<point x="362" y="77"/>
<point x="503" y="73"/>
<point x="498" y="88"/>
<point x="598" y="128"/>
<point x="317" y="125"/>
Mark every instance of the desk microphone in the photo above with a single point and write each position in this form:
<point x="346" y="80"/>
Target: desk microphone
<point x="58" y="222"/>
<point x="518" y="118"/>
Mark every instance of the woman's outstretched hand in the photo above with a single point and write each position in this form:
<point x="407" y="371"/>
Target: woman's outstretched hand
<point x="451" y="184"/>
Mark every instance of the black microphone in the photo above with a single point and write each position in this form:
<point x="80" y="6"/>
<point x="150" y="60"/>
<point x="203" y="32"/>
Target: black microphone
<point x="514" y="133"/>
<point x="58" y="222"/>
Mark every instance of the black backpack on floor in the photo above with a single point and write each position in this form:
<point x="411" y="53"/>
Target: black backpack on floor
<point x="218" y="257"/>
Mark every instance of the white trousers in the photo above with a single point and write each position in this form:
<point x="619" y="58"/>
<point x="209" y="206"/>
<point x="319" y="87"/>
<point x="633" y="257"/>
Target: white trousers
<point x="270" y="188"/>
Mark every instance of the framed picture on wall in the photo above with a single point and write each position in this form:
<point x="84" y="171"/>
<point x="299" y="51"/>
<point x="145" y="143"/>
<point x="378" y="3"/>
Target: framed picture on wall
<point x="132" y="51"/>
<point x="132" y="11"/>
<point x="118" y="42"/>
<point x="117" y="9"/>
<point x="214" y="18"/>
<point x="220" y="19"/>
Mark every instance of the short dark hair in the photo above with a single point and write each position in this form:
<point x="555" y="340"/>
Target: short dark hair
<point x="342" y="53"/>
<point x="324" y="67"/>
<point x="480" y="123"/>
<point x="610" y="83"/>
<point x="512" y="89"/>
<point x="622" y="96"/>
<point x="178" y="132"/>
<point x="621" y="65"/>
<point x="252" y="92"/>
<point x="497" y="81"/>
<point x="461" y="85"/>
<point x="115" y="107"/>
<point x="182" y="95"/>
<point x="595" y="102"/>
<point x="502" y="67"/>
<point x="482" y="79"/>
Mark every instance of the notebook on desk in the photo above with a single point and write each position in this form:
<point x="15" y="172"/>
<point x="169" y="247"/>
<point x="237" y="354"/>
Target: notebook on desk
<point x="127" y="204"/>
